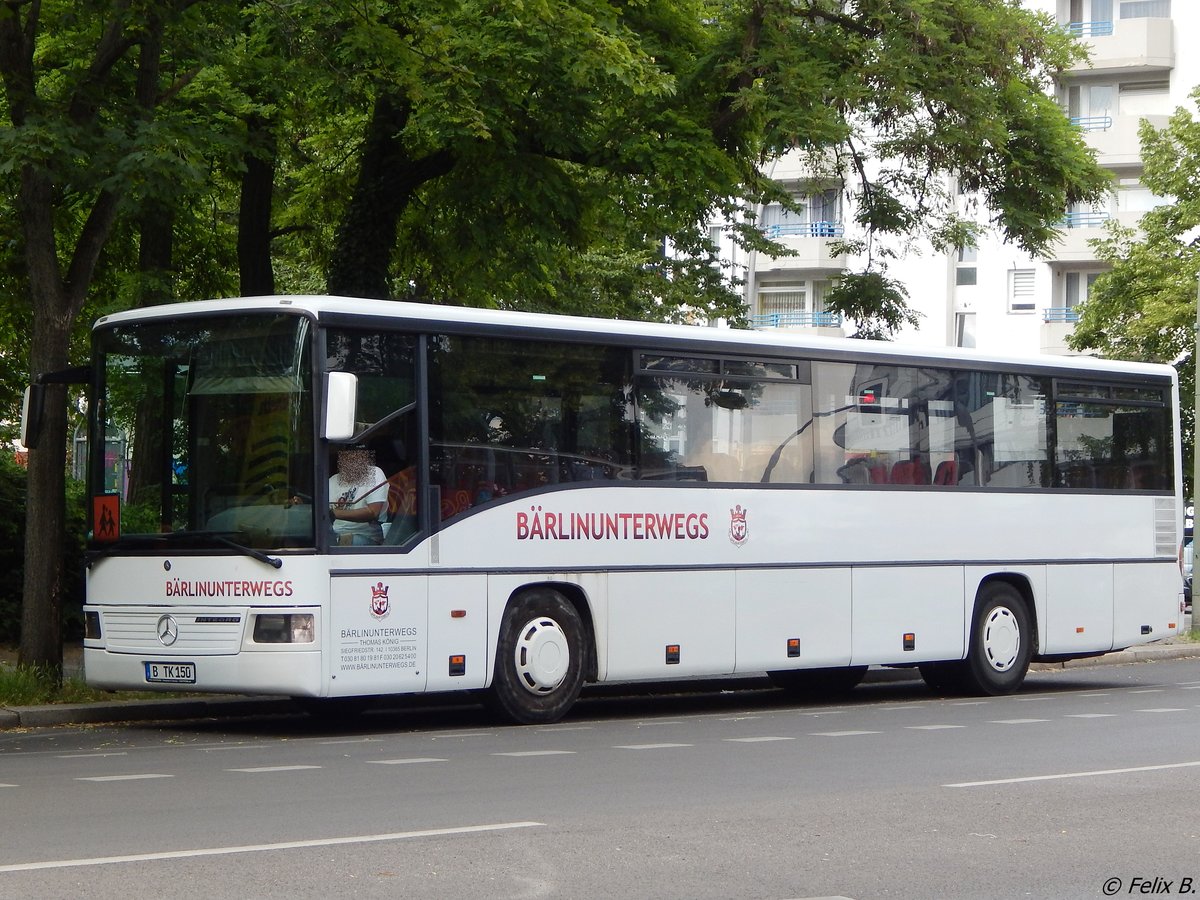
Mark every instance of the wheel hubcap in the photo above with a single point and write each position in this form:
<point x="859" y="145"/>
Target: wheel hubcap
<point x="1001" y="639"/>
<point x="542" y="656"/>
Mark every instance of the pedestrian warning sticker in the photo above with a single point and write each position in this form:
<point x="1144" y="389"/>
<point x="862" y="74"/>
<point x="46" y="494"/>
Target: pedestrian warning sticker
<point x="106" y="517"/>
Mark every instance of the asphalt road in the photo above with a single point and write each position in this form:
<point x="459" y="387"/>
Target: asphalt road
<point x="1086" y="775"/>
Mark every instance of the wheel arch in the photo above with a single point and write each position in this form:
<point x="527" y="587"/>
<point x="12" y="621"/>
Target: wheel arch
<point x="1024" y="588"/>
<point x="577" y="597"/>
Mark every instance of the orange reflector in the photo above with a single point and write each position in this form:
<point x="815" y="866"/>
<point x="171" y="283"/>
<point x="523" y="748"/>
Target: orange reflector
<point x="672" y="654"/>
<point x="1079" y="630"/>
<point x="458" y="613"/>
<point x="1171" y="625"/>
<point x="458" y="660"/>
<point x="910" y="640"/>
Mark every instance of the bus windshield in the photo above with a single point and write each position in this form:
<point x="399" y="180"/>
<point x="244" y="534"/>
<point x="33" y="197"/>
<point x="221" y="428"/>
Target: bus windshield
<point x="203" y="433"/>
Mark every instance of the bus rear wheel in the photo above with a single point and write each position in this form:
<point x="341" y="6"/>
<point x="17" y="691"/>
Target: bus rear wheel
<point x="1000" y="650"/>
<point x="539" y="659"/>
<point x="827" y="682"/>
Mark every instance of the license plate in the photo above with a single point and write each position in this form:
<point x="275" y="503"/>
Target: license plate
<point x="171" y="673"/>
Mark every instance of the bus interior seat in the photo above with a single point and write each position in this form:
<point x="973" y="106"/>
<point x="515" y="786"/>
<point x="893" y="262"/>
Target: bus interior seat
<point x="947" y="473"/>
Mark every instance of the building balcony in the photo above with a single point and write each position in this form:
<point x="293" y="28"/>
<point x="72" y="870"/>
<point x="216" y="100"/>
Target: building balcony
<point x="812" y="243"/>
<point x="1115" y="138"/>
<point x="1079" y="229"/>
<point x="826" y="324"/>
<point x="1126" y="46"/>
<point x="1058" y="323"/>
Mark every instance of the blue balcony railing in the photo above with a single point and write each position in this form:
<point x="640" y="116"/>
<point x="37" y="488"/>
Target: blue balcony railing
<point x="1092" y="123"/>
<point x="1084" y="219"/>
<point x="805" y="229"/>
<point x="797" y="320"/>
<point x="1090" y="29"/>
<point x="1066" y="314"/>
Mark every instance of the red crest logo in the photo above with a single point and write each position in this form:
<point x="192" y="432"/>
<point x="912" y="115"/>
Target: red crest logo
<point x="380" y="605"/>
<point x="738" y="531"/>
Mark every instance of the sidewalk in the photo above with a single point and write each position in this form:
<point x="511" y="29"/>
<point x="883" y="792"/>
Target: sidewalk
<point x="225" y="706"/>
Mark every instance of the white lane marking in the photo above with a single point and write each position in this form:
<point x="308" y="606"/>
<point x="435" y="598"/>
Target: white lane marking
<point x="255" y="770"/>
<point x="462" y="734"/>
<point x="259" y="848"/>
<point x="1162" y="709"/>
<point x="1091" y="715"/>
<point x="537" y="753"/>
<point x="123" y="777"/>
<point x="7" y="785"/>
<point x="350" y="741"/>
<point x="758" y="740"/>
<point x="1148" y="691"/>
<point x="932" y="727"/>
<point x="1190" y="687"/>
<point x="403" y="762"/>
<point x="1017" y="721"/>
<point x="1091" y="774"/>
<point x="90" y="755"/>
<point x="1033" y="699"/>
<point x="971" y="703"/>
<point x="842" y="733"/>
<point x="552" y="729"/>
<point x="650" y="746"/>
<point x="1089" y="696"/>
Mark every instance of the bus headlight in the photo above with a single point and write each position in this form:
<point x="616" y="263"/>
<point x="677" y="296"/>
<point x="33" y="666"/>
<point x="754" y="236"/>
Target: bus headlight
<point x="286" y="628"/>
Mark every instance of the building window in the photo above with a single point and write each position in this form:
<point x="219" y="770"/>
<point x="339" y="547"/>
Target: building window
<point x="1145" y="9"/>
<point x="964" y="329"/>
<point x="1144" y="98"/>
<point x="1077" y="286"/>
<point x="965" y="273"/>
<point x="1020" y="290"/>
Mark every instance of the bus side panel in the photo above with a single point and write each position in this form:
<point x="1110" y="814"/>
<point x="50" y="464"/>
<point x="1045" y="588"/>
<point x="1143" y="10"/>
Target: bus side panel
<point x="776" y="605"/>
<point x="649" y="611"/>
<point x="1079" y="601"/>
<point x="925" y="601"/>
<point x="458" y="626"/>
<point x="377" y="634"/>
<point x="1134" y="587"/>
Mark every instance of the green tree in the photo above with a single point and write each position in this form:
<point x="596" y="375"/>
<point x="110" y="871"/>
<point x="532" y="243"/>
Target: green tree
<point x="563" y="140"/>
<point x="83" y="137"/>
<point x="1144" y="307"/>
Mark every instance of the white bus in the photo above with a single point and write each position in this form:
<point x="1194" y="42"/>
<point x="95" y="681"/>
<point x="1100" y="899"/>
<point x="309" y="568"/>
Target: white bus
<point x="330" y="498"/>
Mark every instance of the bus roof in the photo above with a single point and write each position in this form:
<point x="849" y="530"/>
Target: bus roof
<point x="699" y="339"/>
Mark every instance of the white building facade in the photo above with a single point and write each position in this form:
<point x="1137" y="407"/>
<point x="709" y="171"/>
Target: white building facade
<point x="995" y="296"/>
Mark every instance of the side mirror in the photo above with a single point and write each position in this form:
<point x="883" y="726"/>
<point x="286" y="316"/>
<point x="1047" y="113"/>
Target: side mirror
<point x="32" y="407"/>
<point x="341" y="400"/>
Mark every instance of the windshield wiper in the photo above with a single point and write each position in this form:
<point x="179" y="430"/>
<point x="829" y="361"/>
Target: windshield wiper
<point x="171" y="537"/>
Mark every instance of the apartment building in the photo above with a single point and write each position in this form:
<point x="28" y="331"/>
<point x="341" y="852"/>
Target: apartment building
<point x="995" y="296"/>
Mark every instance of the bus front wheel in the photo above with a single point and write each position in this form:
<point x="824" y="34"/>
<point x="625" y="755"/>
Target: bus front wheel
<point x="539" y="660"/>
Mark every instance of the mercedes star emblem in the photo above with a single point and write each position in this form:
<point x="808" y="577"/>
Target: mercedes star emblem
<point x="168" y="630"/>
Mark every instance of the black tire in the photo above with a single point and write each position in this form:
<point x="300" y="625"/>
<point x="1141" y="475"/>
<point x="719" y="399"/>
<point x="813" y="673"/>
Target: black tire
<point x="943" y="677"/>
<point x="823" y="682"/>
<point x="539" y="659"/>
<point x="1002" y="641"/>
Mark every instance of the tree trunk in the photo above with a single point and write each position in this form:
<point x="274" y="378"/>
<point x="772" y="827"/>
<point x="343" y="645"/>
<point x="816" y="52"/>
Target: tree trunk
<point x="254" y="213"/>
<point x="387" y="180"/>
